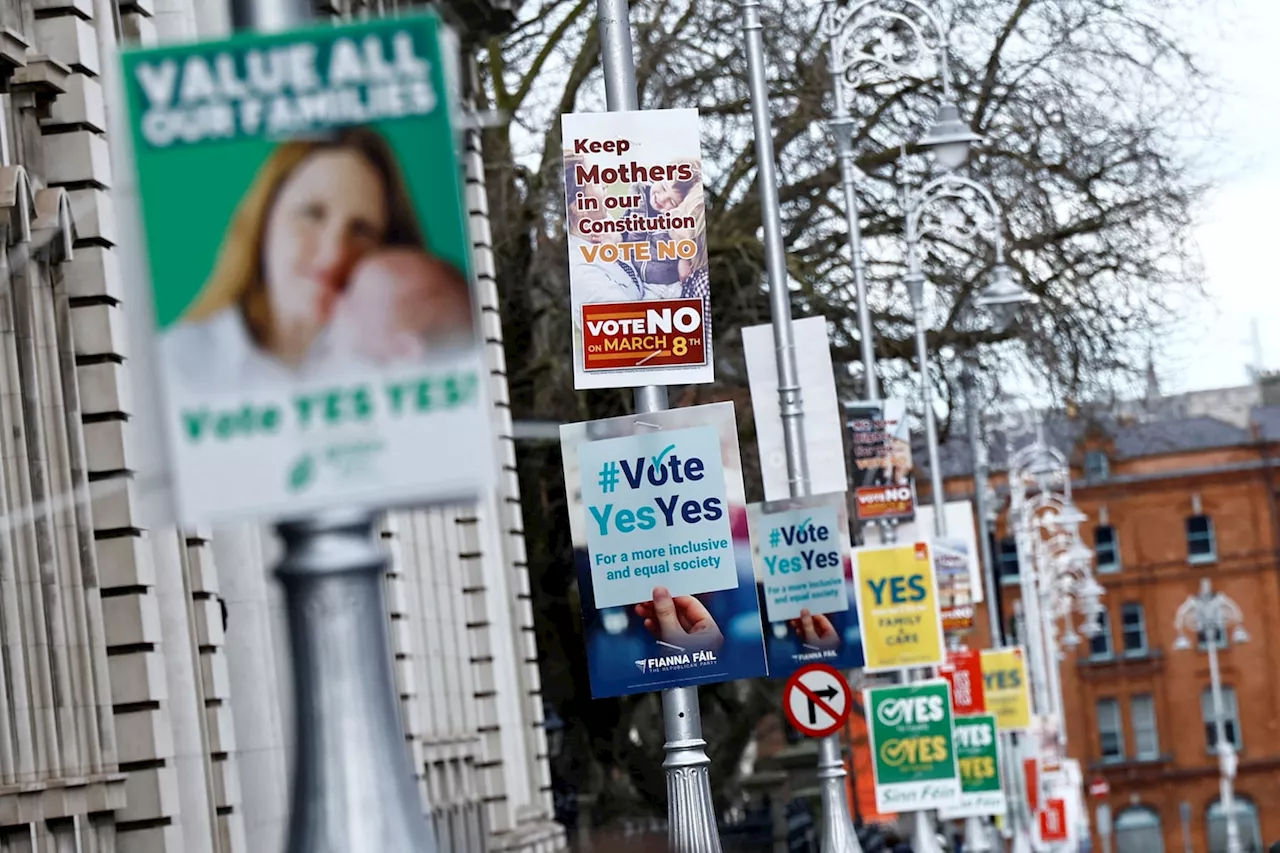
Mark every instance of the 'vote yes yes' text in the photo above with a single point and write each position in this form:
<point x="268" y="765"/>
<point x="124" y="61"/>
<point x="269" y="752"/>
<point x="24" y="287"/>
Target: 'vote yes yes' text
<point x="656" y="515"/>
<point x="799" y="560"/>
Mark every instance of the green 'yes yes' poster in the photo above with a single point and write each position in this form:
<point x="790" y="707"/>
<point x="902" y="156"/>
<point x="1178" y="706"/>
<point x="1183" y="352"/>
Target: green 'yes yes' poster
<point x="914" y="761"/>
<point x="977" y="746"/>
<point x="309" y="258"/>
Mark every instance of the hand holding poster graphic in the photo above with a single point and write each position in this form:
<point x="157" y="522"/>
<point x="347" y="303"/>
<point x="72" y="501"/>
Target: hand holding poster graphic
<point x="657" y="512"/>
<point x="637" y="249"/>
<point x="801" y="549"/>
<point x="898" y="607"/>
<point x="299" y="369"/>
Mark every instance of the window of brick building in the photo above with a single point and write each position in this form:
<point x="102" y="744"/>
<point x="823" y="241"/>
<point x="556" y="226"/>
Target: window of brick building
<point x="1007" y="560"/>
<point x="1146" y="738"/>
<point x="1246" y="821"/>
<point x="1106" y="549"/>
<point x="1110" y="730"/>
<point x="1230" y="718"/>
<point x="1202" y="545"/>
<point x="1096" y="465"/>
<point x="1138" y="830"/>
<point x="1133" y="629"/>
<point x="1100" y="643"/>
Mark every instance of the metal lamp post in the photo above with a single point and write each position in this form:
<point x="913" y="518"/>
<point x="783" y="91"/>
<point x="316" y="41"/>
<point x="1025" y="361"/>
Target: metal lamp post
<point x="691" y="817"/>
<point x="838" y="835"/>
<point x="1213" y="614"/>
<point x="859" y="38"/>
<point x="1004" y="298"/>
<point x="353" y="788"/>
<point x="1055" y="578"/>
<point x="948" y="190"/>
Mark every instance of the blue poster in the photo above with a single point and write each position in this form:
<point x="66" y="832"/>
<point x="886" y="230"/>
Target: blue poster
<point x="801" y="550"/>
<point x="657" y="510"/>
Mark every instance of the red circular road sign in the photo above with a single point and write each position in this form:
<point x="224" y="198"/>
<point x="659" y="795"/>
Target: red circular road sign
<point x="817" y="700"/>
<point x="1098" y="787"/>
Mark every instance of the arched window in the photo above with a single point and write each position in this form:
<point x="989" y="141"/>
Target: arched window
<point x="1138" y="830"/>
<point x="1246" y="819"/>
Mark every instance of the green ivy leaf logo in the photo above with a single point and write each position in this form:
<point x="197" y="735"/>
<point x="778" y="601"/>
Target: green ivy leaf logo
<point x="302" y="474"/>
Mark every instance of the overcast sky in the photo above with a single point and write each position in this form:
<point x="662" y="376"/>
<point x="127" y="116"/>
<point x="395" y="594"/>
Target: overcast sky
<point x="1239" y="231"/>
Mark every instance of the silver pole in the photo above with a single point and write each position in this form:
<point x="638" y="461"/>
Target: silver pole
<point x="979" y="456"/>
<point x="691" y="816"/>
<point x="838" y="835"/>
<point x="842" y="126"/>
<point x="1216" y="626"/>
<point x="924" y="838"/>
<point x="353" y="788"/>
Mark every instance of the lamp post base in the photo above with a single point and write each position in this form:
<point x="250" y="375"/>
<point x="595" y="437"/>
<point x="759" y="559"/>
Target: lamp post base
<point x="837" y="827"/>
<point x="353" y="783"/>
<point x="691" y="814"/>
<point x="924" y="834"/>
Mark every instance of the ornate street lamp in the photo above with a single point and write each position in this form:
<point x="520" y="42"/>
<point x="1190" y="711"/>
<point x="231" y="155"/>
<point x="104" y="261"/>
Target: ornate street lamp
<point x="1212" y="615"/>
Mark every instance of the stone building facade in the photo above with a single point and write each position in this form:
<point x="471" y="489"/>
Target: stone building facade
<point x="144" y="702"/>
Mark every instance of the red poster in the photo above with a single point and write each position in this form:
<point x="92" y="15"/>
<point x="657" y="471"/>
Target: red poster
<point x="885" y="502"/>
<point x="658" y="333"/>
<point x="963" y="670"/>
<point x="1053" y="821"/>
<point x="1031" y="773"/>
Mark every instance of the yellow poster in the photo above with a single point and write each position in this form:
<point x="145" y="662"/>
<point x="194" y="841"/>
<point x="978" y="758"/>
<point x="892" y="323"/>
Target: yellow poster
<point x="898" y="607"/>
<point x="1004" y="681"/>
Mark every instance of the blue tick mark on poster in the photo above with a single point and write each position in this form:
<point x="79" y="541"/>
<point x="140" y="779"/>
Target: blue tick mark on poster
<point x="801" y="564"/>
<point x="656" y="515"/>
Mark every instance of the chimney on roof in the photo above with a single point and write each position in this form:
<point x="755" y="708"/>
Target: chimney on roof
<point x="1269" y="385"/>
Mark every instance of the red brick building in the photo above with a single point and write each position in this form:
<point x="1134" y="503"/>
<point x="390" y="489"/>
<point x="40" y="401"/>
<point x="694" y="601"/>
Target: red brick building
<point x="1170" y="500"/>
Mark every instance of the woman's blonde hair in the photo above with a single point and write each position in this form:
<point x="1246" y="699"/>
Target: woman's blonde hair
<point x="237" y="275"/>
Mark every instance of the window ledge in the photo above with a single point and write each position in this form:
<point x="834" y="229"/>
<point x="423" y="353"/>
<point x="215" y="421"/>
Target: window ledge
<point x="1127" y="763"/>
<point x="1121" y="665"/>
<point x="1202" y="559"/>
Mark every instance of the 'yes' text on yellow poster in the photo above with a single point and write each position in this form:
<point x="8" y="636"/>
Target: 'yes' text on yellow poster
<point x="898" y="607"/>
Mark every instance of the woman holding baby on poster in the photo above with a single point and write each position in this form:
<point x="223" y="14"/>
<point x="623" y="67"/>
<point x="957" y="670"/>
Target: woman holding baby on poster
<point x="595" y="279"/>
<point x="323" y="268"/>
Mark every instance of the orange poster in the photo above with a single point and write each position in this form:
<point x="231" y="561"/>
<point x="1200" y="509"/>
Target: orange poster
<point x="862" y="783"/>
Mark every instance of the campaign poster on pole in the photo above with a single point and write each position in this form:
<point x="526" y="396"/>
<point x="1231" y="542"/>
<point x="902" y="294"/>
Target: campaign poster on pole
<point x="897" y="599"/>
<point x="956" y="559"/>
<point x="636" y="225"/>
<point x="911" y="740"/>
<point x="658" y="518"/>
<point x="1004" y="687"/>
<point x="804" y="575"/>
<point x="823" y="432"/>
<point x="963" y="671"/>
<point x="316" y="334"/>
<point x="977" y="746"/>
<point x="881" y="468"/>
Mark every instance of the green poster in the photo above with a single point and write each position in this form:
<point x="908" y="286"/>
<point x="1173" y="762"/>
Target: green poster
<point x="911" y="745"/>
<point x="316" y="332"/>
<point x="977" y="747"/>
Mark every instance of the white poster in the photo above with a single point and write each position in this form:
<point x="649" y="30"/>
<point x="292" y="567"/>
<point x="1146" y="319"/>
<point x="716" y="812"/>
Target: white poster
<point x="824" y="442"/>
<point x="637" y="232"/>
<point x="959" y="565"/>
